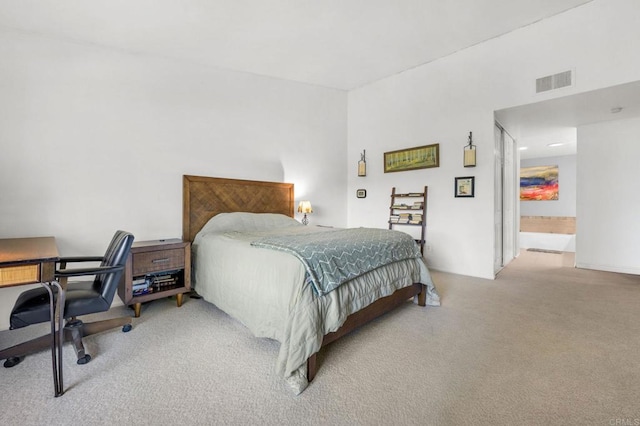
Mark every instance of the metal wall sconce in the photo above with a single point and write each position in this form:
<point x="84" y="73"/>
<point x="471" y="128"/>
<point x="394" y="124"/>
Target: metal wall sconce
<point x="470" y="153"/>
<point x="362" y="165"/>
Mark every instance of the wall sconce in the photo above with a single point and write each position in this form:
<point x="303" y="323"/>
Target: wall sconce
<point x="305" y="207"/>
<point x="470" y="153"/>
<point x="362" y="165"/>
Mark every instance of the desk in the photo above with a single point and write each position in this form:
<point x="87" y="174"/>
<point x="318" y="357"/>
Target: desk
<point x="27" y="260"/>
<point x="30" y="261"/>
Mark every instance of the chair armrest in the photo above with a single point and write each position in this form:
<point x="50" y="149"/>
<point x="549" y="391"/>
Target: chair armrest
<point x="76" y="272"/>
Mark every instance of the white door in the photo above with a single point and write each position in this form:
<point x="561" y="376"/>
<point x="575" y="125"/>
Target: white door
<point x="498" y="191"/>
<point x="506" y="196"/>
<point x="510" y="199"/>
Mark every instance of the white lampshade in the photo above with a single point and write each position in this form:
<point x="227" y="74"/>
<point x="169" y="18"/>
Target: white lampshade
<point x="305" y="207"/>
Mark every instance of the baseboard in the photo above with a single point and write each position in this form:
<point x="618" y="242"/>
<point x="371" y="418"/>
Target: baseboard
<point x="609" y="268"/>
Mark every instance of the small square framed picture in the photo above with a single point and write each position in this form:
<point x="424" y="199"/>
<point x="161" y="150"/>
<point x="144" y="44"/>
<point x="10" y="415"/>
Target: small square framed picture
<point x="465" y="186"/>
<point x="361" y="193"/>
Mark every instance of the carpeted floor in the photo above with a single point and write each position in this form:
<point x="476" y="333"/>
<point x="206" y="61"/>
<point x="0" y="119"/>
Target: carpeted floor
<point x="544" y="343"/>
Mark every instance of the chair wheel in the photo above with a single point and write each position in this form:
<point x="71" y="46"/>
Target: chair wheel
<point x="85" y="359"/>
<point x="126" y="328"/>
<point x="13" y="361"/>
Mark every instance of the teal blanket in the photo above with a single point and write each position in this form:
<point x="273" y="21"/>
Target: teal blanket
<point x="333" y="257"/>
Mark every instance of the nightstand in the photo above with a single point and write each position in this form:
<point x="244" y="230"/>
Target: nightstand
<point x="156" y="269"/>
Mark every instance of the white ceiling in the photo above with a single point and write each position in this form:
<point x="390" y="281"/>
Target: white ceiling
<point x="339" y="44"/>
<point x="554" y="121"/>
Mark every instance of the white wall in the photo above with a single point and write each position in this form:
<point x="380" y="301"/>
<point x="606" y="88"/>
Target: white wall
<point x="565" y="205"/>
<point x="93" y="140"/>
<point x="541" y="240"/>
<point x="608" y="228"/>
<point x="443" y="100"/>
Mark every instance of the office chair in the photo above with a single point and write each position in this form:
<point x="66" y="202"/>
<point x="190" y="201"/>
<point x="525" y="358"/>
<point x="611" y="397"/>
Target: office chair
<point x="81" y="298"/>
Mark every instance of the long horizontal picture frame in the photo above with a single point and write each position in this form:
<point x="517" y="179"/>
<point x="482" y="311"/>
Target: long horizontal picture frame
<point x="419" y="157"/>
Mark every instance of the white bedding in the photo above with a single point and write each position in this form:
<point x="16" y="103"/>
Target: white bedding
<point x="264" y="289"/>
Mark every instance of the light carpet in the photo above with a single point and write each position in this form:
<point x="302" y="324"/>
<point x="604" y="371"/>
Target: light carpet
<point x="544" y="343"/>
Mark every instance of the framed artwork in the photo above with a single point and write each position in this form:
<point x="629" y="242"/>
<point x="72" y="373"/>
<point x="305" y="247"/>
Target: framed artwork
<point x="465" y="186"/>
<point x="539" y="183"/>
<point x="361" y="193"/>
<point x="419" y="157"/>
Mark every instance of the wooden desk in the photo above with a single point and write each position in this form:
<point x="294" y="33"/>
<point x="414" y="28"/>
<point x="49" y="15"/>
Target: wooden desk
<point x="27" y="260"/>
<point x="31" y="261"/>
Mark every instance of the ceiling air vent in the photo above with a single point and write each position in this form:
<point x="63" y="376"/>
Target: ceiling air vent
<point x="552" y="82"/>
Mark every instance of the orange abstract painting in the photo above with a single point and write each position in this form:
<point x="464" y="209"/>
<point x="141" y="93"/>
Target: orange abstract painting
<point x="539" y="183"/>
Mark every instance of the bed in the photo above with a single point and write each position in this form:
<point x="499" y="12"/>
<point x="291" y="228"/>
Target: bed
<point x="232" y="224"/>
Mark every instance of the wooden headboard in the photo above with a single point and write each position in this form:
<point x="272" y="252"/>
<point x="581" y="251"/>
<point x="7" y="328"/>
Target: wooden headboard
<point x="204" y="197"/>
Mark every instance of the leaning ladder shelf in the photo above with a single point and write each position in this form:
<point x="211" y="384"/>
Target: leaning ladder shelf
<point x="404" y="211"/>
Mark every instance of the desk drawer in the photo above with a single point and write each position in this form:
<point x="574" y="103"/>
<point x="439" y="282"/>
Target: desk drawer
<point x="154" y="261"/>
<point x="23" y="274"/>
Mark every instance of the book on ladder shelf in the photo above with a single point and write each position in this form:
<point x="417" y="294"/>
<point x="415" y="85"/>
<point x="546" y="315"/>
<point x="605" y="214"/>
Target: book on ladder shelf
<point x="416" y="203"/>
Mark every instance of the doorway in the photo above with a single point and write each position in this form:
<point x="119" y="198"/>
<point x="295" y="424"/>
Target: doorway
<point x="548" y="129"/>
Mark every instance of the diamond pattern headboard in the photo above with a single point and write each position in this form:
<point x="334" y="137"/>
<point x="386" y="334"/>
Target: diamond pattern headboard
<point x="204" y="197"/>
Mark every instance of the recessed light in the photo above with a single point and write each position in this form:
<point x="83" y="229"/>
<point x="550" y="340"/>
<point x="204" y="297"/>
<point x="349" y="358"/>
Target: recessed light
<point x="522" y="148"/>
<point x="555" y="144"/>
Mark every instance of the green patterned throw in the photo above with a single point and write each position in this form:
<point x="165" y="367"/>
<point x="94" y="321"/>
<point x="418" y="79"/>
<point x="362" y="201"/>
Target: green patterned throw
<point x="333" y="257"/>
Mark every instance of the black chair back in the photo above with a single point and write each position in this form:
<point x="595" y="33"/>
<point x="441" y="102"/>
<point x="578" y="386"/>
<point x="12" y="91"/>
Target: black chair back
<point x="116" y="255"/>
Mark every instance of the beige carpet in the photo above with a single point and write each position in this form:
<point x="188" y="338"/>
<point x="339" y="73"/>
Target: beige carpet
<point x="544" y="344"/>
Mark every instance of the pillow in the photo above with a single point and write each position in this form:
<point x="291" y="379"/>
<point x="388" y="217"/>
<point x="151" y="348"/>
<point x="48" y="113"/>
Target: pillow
<point x="246" y="222"/>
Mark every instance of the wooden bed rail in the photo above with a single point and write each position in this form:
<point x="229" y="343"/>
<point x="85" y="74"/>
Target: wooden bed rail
<point x="371" y="312"/>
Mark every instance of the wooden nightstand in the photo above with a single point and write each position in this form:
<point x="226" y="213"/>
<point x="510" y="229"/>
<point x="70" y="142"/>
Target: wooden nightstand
<point x="156" y="269"/>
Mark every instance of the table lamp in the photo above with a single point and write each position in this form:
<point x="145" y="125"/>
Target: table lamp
<point x="305" y="207"/>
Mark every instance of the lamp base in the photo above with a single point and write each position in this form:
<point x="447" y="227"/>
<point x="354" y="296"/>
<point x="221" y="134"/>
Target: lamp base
<point x="305" y="219"/>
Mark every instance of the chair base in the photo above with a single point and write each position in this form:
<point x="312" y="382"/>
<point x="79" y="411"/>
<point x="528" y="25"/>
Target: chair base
<point x="13" y="361"/>
<point x="83" y="360"/>
<point x="81" y="330"/>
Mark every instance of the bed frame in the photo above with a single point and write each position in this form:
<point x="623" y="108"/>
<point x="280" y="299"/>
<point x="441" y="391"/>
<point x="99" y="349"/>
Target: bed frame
<point x="205" y="197"/>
